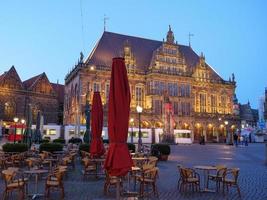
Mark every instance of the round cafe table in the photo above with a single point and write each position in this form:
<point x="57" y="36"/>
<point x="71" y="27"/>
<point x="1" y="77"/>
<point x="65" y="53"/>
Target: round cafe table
<point x="140" y="161"/>
<point x="36" y="172"/>
<point x="206" y="169"/>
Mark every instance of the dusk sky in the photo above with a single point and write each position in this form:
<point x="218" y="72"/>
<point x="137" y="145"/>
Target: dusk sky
<point x="46" y="36"/>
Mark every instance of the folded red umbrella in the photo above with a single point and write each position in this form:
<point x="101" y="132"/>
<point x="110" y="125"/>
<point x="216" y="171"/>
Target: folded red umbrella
<point x="96" y="147"/>
<point x="118" y="161"/>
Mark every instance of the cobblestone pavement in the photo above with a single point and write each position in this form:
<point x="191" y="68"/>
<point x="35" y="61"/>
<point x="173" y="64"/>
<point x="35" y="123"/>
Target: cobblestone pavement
<point x="250" y="160"/>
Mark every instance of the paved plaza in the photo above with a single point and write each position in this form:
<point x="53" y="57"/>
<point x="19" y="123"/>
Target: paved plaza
<point x="250" y="160"/>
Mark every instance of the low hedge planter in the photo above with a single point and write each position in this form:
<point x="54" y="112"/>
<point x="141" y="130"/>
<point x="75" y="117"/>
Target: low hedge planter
<point x="51" y="147"/>
<point x="59" y="140"/>
<point x="162" y="151"/>
<point x="84" y="147"/>
<point x="18" y="147"/>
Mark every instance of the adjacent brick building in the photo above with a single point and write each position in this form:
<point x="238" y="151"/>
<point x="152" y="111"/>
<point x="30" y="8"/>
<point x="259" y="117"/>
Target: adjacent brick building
<point x="43" y="96"/>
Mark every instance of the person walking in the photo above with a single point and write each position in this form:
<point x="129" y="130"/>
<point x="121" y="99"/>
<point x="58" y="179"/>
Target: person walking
<point x="236" y="139"/>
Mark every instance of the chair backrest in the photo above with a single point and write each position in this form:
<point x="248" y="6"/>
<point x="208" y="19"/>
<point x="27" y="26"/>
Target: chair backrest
<point x="152" y="160"/>
<point x="151" y="173"/>
<point x="8" y="175"/>
<point x="186" y="173"/>
<point x="233" y="173"/>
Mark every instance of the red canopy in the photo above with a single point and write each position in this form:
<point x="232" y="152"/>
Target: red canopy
<point x="118" y="161"/>
<point x="96" y="147"/>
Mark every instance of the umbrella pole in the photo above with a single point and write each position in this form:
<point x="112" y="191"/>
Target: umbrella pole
<point x="118" y="189"/>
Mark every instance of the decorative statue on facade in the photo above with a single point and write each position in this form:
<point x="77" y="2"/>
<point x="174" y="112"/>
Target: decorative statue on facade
<point x="81" y="57"/>
<point x="233" y="77"/>
<point x="168" y="133"/>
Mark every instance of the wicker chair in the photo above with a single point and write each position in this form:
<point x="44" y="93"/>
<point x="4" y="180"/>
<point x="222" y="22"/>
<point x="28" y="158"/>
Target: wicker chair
<point x="89" y="167"/>
<point x="189" y="177"/>
<point x="230" y="179"/>
<point x="55" y="181"/>
<point x="217" y="177"/>
<point x="180" y="176"/>
<point x="148" y="178"/>
<point x="12" y="184"/>
<point x="112" y="181"/>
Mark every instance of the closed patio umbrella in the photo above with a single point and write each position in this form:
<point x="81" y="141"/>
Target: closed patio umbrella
<point x="96" y="146"/>
<point x="37" y="133"/>
<point x="118" y="161"/>
<point x="28" y="131"/>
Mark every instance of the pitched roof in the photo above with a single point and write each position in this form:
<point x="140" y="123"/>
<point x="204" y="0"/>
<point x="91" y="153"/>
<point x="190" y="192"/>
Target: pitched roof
<point x="29" y="82"/>
<point x="11" y="73"/>
<point x="111" y="45"/>
<point x="59" y="90"/>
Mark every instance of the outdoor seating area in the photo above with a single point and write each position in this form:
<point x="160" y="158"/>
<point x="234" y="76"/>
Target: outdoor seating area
<point x="19" y="170"/>
<point x="149" y="178"/>
<point x="199" y="178"/>
<point x="45" y="174"/>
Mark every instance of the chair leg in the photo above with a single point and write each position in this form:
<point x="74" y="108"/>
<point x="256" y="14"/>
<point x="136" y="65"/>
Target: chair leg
<point x="5" y="195"/>
<point x="178" y="184"/>
<point x="181" y="187"/>
<point x="238" y="190"/>
<point x="62" y="192"/>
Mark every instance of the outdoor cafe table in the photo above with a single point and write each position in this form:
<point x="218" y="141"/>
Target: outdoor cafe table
<point x="140" y="160"/>
<point x="206" y="169"/>
<point x="36" y="172"/>
<point x="51" y="161"/>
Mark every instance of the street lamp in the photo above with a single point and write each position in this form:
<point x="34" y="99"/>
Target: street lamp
<point x="131" y="122"/>
<point x="16" y="121"/>
<point x="227" y="134"/>
<point x="139" y="110"/>
<point x="22" y="122"/>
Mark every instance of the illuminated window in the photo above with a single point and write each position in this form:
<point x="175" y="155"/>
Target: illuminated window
<point x="9" y="109"/>
<point x="157" y="106"/>
<point x="107" y="91"/>
<point x="202" y="98"/>
<point x="139" y="96"/>
<point x="51" y="132"/>
<point x="97" y="87"/>
<point x="213" y="104"/>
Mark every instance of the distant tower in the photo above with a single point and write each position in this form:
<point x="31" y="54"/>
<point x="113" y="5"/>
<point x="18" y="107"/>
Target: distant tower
<point x="170" y="36"/>
<point x="236" y="109"/>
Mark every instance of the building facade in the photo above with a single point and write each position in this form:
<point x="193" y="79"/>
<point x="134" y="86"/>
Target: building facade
<point x="201" y="100"/>
<point x="38" y="92"/>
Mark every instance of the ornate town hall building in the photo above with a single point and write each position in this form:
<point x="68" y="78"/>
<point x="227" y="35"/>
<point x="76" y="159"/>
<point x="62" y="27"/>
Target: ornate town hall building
<point x="201" y="100"/>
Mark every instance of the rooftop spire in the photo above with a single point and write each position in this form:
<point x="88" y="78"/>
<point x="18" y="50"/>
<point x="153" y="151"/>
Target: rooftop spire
<point x="170" y="36"/>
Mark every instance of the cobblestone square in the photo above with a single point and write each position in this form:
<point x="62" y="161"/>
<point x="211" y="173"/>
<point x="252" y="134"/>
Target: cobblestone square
<point x="250" y="160"/>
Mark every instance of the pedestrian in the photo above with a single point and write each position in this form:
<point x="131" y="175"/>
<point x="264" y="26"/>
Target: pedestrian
<point x="246" y="141"/>
<point x="241" y="140"/>
<point x="202" y="140"/>
<point x="236" y="139"/>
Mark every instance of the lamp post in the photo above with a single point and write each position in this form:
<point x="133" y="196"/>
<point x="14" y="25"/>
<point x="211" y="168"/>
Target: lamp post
<point x="139" y="110"/>
<point x="22" y="122"/>
<point x="15" y="120"/>
<point x="131" y="121"/>
<point x="87" y="136"/>
<point x="227" y="135"/>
